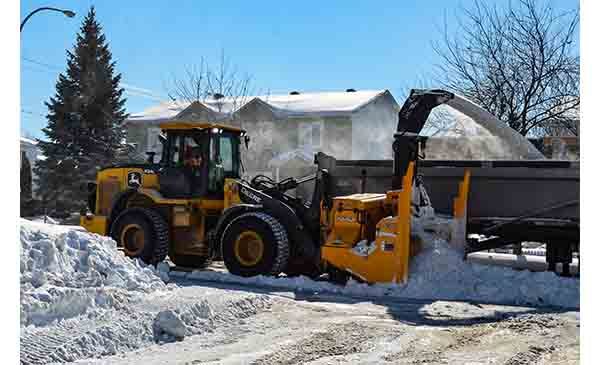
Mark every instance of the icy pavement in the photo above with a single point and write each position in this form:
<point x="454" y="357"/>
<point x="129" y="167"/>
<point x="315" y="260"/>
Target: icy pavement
<point x="334" y="329"/>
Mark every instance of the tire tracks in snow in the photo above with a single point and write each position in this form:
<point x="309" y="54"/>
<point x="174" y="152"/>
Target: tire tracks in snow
<point x="532" y="355"/>
<point x="74" y="339"/>
<point x="446" y="345"/>
<point x="334" y="340"/>
<point x="119" y="331"/>
<point x="430" y="347"/>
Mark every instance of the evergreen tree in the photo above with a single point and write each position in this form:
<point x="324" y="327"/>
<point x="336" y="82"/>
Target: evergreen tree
<point x="85" y="119"/>
<point x="25" y="185"/>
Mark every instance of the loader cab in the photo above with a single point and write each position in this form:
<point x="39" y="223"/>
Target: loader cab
<point x="197" y="158"/>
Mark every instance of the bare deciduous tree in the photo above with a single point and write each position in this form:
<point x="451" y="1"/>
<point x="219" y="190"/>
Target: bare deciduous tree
<point x="222" y="88"/>
<point x="519" y="62"/>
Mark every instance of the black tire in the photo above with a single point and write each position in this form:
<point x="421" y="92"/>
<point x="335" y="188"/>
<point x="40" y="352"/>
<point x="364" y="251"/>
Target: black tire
<point x="191" y="261"/>
<point x="276" y="247"/>
<point x="155" y="233"/>
<point x="337" y="276"/>
<point x="302" y="268"/>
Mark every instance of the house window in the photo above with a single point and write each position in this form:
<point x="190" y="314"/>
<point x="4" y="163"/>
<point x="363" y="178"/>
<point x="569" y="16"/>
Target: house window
<point x="153" y="143"/>
<point x="311" y="134"/>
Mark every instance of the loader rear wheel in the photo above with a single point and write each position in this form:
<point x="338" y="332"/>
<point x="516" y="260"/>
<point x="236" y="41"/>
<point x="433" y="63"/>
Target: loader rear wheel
<point x="255" y="244"/>
<point x="142" y="233"/>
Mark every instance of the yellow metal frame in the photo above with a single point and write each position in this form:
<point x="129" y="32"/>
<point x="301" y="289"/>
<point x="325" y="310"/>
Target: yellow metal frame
<point x="94" y="224"/>
<point x="197" y="125"/>
<point x="460" y="202"/>
<point x="458" y="233"/>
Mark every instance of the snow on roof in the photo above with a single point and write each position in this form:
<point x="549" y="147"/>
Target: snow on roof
<point x="28" y="141"/>
<point x="323" y="103"/>
<point x="164" y="110"/>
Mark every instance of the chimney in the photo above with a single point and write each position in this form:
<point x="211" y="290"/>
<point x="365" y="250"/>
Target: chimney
<point x="350" y="90"/>
<point x="295" y="93"/>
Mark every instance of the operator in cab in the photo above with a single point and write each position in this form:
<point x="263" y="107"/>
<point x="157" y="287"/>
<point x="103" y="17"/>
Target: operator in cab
<point x="192" y="157"/>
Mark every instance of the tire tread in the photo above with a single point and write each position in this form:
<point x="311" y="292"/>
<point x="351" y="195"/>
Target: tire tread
<point x="160" y="227"/>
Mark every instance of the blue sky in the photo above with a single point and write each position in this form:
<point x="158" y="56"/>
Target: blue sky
<point x="304" y="45"/>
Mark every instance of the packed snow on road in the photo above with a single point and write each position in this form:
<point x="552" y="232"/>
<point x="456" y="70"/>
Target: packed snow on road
<point x="83" y="301"/>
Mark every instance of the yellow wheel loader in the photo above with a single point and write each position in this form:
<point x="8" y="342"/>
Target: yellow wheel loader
<point x="193" y="206"/>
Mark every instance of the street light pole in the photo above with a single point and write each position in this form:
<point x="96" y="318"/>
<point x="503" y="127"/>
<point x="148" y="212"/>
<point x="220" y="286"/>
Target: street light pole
<point x="68" y="13"/>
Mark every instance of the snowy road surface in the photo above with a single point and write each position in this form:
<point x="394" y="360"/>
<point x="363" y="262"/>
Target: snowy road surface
<point x="294" y="328"/>
<point x="83" y="301"/>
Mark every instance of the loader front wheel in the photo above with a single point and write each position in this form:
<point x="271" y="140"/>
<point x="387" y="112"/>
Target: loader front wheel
<point x="255" y="244"/>
<point x="142" y="233"/>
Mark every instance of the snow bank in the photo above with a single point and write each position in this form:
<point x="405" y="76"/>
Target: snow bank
<point x="67" y="272"/>
<point x="438" y="272"/>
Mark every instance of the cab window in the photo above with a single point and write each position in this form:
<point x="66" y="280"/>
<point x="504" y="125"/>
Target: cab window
<point x="175" y="151"/>
<point x="226" y="154"/>
<point x="228" y="149"/>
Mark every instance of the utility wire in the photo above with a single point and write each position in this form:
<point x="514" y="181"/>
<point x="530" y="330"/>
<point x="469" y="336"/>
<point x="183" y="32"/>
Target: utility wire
<point x="129" y="89"/>
<point x="39" y="63"/>
<point x="24" y="111"/>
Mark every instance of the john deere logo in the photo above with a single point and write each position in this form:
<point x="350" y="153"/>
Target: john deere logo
<point x="251" y="195"/>
<point x="134" y="179"/>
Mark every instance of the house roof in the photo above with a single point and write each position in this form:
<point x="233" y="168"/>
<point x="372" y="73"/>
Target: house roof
<point x="320" y="103"/>
<point x="163" y="111"/>
<point x="28" y="141"/>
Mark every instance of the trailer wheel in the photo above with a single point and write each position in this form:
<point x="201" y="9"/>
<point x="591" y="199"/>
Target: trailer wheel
<point x="255" y="244"/>
<point x="142" y="233"/>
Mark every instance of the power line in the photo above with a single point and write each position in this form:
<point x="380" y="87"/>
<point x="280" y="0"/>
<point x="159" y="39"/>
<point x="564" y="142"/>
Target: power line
<point x="27" y="67"/>
<point x="129" y="89"/>
<point x="32" y="113"/>
<point x="39" y="63"/>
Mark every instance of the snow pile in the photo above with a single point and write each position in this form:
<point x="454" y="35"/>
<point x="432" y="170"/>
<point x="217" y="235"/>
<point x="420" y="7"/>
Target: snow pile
<point x="363" y="248"/>
<point x="440" y="273"/>
<point x="67" y="272"/>
<point x="169" y="323"/>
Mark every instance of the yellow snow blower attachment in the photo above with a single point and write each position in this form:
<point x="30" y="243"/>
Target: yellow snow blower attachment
<point x="370" y="236"/>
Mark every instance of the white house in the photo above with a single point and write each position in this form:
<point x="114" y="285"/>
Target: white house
<point x="32" y="153"/>
<point x="356" y="124"/>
